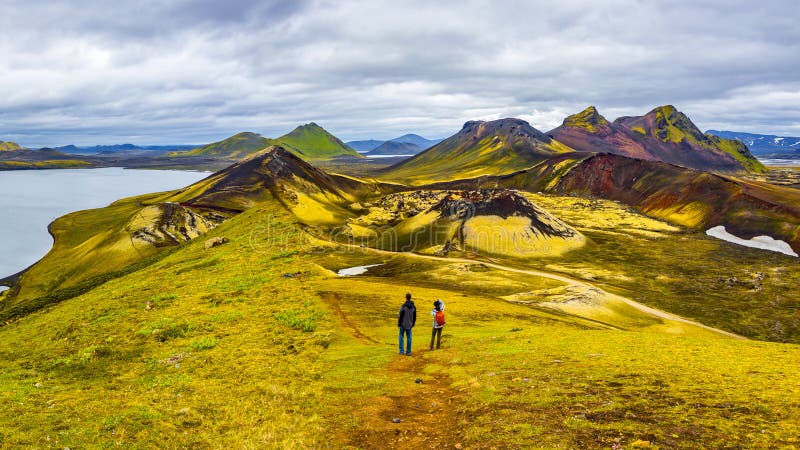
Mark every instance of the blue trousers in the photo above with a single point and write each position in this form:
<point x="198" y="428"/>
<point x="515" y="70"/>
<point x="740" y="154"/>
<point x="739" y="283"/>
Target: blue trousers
<point x="408" y="340"/>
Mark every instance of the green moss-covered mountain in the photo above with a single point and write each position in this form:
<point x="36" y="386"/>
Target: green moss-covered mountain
<point x="235" y="147"/>
<point x="311" y="141"/>
<point x="9" y="146"/>
<point x="663" y="134"/>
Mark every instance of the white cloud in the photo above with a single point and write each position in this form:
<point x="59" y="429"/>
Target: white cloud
<point x="193" y="71"/>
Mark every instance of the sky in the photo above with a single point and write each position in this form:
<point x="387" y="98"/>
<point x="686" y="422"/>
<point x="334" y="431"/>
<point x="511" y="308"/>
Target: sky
<point x="168" y="72"/>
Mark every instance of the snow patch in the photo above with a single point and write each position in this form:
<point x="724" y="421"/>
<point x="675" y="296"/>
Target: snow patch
<point x="357" y="270"/>
<point x="778" y="140"/>
<point x="762" y="242"/>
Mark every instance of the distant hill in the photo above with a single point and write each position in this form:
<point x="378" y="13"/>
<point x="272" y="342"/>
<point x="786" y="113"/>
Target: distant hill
<point x="480" y="148"/>
<point x="364" y="146"/>
<point x="372" y="144"/>
<point x="235" y="147"/>
<point x="122" y="149"/>
<point x="311" y="141"/>
<point x="663" y="134"/>
<point x="417" y="140"/>
<point x="9" y="146"/>
<point x="396" y="148"/>
<point x="48" y="158"/>
<point x="764" y="144"/>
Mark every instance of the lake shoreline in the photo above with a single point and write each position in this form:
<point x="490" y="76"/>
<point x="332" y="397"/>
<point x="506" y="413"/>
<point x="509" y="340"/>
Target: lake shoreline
<point x="34" y="199"/>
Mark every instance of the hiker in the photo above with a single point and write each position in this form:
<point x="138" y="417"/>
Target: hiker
<point x="438" y="322"/>
<point x="405" y="322"/>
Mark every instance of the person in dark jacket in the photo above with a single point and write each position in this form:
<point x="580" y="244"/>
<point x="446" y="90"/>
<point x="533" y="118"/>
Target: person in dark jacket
<point x="405" y="322"/>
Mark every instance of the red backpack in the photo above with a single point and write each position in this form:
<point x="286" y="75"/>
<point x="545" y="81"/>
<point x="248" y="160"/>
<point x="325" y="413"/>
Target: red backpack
<point x="439" y="318"/>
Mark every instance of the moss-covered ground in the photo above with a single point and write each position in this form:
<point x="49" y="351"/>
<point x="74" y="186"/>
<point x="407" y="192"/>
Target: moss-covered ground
<point x="258" y="344"/>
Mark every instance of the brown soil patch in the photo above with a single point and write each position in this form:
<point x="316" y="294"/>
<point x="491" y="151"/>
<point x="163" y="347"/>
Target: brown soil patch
<point x="429" y="413"/>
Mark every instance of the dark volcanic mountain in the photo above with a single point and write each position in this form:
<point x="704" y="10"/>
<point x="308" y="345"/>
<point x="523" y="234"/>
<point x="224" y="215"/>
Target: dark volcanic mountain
<point x="664" y="134"/>
<point x="272" y="173"/>
<point x="691" y="198"/>
<point x="764" y="144"/>
<point x="480" y="148"/>
<point x="395" y="148"/>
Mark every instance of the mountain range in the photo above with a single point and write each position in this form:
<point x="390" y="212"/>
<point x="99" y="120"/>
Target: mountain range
<point x="663" y="134"/>
<point x="505" y="145"/>
<point x="309" y="141"/>
<point x="415" y="144"/>
<point x="118" y="149"/>
<point x="764" y="144"/>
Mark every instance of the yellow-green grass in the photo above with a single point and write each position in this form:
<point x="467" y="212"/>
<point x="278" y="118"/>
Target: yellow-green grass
<point x="311" y="141"/>
<point x="235" y="147"/>
<point x="45" y="164"/>
<point x="87" y="244"/>
<point x="588" y="119"/>
<point x="529" y="379"/>
<point x="750" y="292"/>
<point x="9" y="146"/>
<point x="493" y="155"/>
<point x="243" y="345"/>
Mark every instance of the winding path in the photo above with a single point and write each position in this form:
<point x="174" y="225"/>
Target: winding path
<point x="564" y="279"/>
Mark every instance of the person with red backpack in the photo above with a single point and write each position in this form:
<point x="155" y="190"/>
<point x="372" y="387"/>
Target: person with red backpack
<point x="438" y="322"/>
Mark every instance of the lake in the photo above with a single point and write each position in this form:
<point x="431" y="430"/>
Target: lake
<point x="31" y="199"/>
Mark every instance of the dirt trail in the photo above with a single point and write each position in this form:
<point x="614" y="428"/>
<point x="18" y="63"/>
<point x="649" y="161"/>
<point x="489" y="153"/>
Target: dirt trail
<point x="335" y="302"/>
<point x="429" y="411"/>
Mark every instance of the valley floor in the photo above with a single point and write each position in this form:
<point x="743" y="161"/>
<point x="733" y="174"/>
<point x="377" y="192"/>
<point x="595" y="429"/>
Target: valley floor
<point x="258" y="344"/>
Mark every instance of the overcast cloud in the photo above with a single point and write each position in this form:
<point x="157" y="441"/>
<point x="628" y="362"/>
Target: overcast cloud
<point x="155" y="72"/>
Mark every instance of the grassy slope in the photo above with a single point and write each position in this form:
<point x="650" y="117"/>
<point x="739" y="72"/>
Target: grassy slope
<point x="311" y="141"/>
<point x="46" y="164"/>
<point x="7" y="146"/>
<point x="747" y="291"/>
<point x="209" y="348"/>
<point x="235" y="147"/>
<point x="81" y="240"/>
<point x="492" y="155"/>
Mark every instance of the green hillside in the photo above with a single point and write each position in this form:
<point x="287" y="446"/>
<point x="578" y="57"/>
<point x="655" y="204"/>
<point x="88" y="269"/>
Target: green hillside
<point x="220" y="347"/>
<point x="480" y="148"/>
<point x="257" y="343"/>
<point x="9" y="146"/>
<point x="311" y="141"/>
<point x="235" y="147"/>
